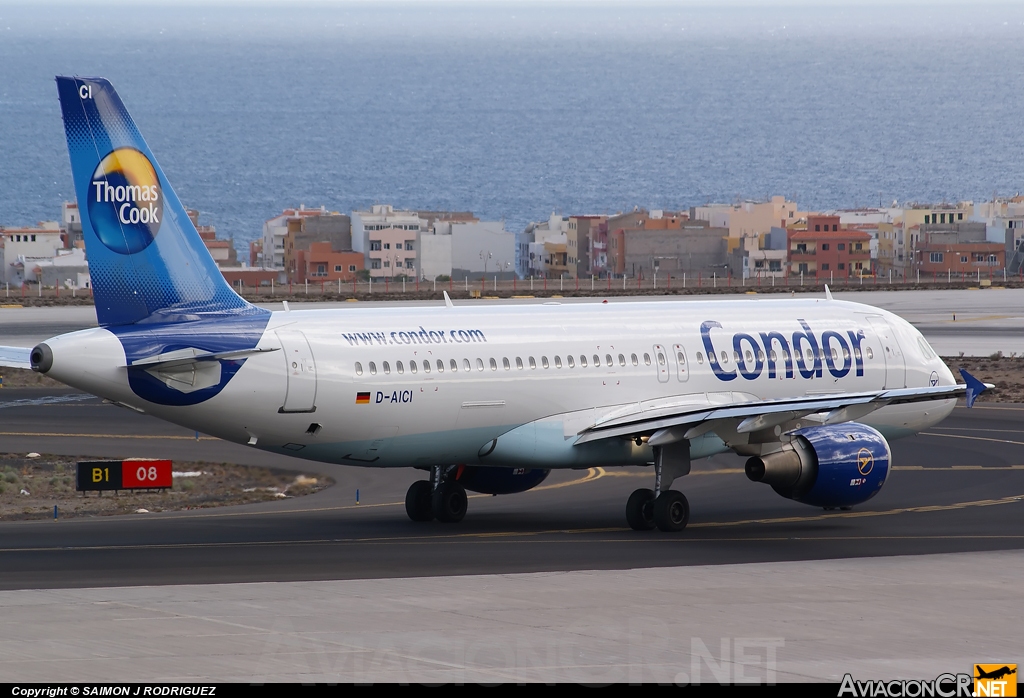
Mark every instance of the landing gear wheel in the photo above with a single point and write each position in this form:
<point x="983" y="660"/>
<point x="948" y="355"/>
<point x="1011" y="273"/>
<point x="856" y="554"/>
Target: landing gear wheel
<point x="671" y="511"/>
<point x="418" y="501"/>
<point x="640" y="510"/>
<point x="449" y="502"/>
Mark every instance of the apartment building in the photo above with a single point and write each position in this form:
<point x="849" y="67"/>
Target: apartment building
<point x="957" y="248"/>
<point x="827" y="249"/>
<point x="387" y="240"/>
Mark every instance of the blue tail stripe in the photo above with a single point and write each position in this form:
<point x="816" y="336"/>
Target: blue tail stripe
<point x="146" y="259"/>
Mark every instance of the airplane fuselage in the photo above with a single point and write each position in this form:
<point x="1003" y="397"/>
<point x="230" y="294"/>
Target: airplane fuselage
<point x="508" y="385"/>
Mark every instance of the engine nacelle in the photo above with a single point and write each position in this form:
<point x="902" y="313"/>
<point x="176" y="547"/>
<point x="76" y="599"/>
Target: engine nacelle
<point x="499" y="480"/>
<point x="829" y="466"/>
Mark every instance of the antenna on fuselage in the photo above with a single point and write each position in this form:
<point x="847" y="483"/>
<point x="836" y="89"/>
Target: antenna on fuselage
<point x="828" y="294"/>
<point x="447" y="301"/>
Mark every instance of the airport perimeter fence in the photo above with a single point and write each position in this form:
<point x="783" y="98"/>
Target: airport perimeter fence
<point x="484" y="287"/>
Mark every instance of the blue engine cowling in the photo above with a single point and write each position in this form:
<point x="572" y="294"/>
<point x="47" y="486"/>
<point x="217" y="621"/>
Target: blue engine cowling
<point x="499" y="480"/>
<point x="829" y="466"/>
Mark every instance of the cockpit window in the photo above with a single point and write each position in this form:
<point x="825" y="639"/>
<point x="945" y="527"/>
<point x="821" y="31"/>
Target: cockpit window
<point x="925" y="349"/>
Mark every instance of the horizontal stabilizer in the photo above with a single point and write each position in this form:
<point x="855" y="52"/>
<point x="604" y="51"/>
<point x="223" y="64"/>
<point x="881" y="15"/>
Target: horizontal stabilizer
<point x="183" y="357"/>
<point x="15" y="357"/>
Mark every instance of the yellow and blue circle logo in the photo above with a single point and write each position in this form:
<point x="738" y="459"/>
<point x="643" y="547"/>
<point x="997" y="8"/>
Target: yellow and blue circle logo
<point x="126" y="203"/>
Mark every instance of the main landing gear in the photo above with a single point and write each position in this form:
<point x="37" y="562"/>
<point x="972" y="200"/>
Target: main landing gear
<point x="441" y="497"/>
<point x="667" y="509"/>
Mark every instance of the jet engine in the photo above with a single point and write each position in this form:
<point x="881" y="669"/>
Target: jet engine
<point x="499" y="480"/>
<point x="828" y="466"/>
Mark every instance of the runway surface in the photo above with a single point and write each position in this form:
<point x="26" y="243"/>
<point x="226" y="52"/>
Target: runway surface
<point x="975" y="322"/>
<point x="959" y="487"/>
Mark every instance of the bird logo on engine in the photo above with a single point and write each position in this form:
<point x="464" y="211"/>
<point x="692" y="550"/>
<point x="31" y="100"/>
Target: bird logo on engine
<point x="865" y="461"/>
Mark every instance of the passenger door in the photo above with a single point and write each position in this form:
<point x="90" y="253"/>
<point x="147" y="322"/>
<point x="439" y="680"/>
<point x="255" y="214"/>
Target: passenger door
<point x="300" y="393"/>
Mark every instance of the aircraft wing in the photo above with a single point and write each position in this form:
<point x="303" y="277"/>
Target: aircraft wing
<point x="664" y="425"/>
<point x="15" y="357"/>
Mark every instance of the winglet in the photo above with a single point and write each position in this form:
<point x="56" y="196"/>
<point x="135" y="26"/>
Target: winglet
<point x="974" y="387"/>
<point x="447" y="301"/>
<point x="828" y="294"/>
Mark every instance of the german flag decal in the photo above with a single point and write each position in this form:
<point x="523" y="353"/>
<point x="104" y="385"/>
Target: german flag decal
<point x="362" y="398"/>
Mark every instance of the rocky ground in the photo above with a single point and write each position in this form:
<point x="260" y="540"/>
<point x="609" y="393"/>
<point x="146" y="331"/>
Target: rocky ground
<point x="31" y="486"/>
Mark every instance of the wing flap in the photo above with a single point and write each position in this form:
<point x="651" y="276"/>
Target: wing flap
<point x="840" y="407"/>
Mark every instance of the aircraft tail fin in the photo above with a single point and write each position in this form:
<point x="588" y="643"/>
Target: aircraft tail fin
<point x="146" y="259"/>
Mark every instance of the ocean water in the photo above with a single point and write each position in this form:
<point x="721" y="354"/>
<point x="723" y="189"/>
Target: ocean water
<point x="517" y="110"/>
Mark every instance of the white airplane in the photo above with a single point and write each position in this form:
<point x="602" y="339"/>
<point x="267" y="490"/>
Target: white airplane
<point x="484" y="398"/>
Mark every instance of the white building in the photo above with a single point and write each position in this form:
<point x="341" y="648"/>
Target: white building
<point x="67" y="269"/>
<point x="435" y="255"/>
<point x="387" y="239"/>
<point x="29" y="243"/>
<point x="530" y="244"/>
<point x="479" y="248"/>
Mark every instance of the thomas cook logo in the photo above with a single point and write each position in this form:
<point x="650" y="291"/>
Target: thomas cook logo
<point x="865" y="461"/>
<point x="126" y="204"/>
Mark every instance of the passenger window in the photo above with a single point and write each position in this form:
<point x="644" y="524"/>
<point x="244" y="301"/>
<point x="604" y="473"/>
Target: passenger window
<point x="399" y="367"/>
<point x="622" y="360"/>
<point x="785" y="355"/>
<point x="387" y="368"/>
<point x="771" y="356"/>
<point x="505" y="364"/>
<point x="835" y="355"/>
<point x="871" y="354"/>
<point x="426" y="366"/>
<point x="572" y="362"/>
<point x="583" y="361"/>
<point x="466" y="366"/>
<point x="700" y="358"/>
<point x="533" y="364"/>
<point x="680" y="358"/>
<point x="749" y="356"/>
<point x="359" y="369"/>
<point x="647" y="359"/>
<point x="558" y="362"/>
<point x="760" y="355"/>
<point x="544" y="361"/>
<point x="494" y="365"/>
<point x="440" y="366"/>
<point x="608" y="360"/>
<point x="725" y="356"/>
<point x="856" y="354"/>
<point x="519" y="363"/>
<point x="479" y="365"/>
<point x="810" y="356"/>
<point x="597" y="361"/>
<point x="412" y="366"/>
<point x="373" y="369"/>
<point x="736" y="356"/>
<point x="634" y="359"/>
<point x="454" y="365"/>
<point x="661" y="359"/>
